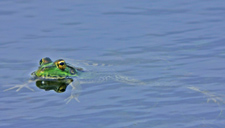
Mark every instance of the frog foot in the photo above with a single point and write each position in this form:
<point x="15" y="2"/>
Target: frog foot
<point x="211" y="96"/>
<point x="215" y="99"/>
<point x="75" y="92"/>
<point x="72" y="97"/>
<point x="19" y="87"/>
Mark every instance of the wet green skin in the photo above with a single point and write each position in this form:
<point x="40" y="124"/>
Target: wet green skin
<point x="51" y="71"/>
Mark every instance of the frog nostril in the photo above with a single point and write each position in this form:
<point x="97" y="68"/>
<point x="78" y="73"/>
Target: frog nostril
<point x="72" y="71"/>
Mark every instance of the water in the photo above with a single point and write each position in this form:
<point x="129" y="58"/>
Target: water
<point x="175" y="47"/>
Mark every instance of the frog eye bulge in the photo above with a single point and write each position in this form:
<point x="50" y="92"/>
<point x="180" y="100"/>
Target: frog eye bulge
<point x="61" y="64"/>
<point x="40" y="62"/>
<point x="45" y="60"/>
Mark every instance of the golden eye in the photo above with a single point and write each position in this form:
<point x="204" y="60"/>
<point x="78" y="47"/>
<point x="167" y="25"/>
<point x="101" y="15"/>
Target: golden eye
<point x="61" y="64"/>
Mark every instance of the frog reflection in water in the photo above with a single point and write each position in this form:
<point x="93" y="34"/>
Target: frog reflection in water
<point x="56" y="85"/>
<point x="53" y="76"/>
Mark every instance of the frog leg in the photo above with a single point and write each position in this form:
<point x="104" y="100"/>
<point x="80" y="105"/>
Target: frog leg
<point x="211" y="96"/>
<point x="21" y="86"/>
<point x="110" y="77"/>
<point x="128" y="80"/>
<point x="75" y="91"/>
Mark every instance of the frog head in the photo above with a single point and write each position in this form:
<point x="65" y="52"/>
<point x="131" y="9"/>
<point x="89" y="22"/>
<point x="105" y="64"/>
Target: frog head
<point x="54" y="70"/>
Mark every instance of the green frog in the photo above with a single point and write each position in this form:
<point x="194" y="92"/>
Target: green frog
<point x="59" y="74"/>
<point x="55" y="76"/>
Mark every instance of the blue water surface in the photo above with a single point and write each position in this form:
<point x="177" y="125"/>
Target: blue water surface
<point x="174" y="48"/>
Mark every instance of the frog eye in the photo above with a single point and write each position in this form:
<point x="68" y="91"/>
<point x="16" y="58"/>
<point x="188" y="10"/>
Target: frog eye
<point x="61" y="64"/>
<point x="45" y="60"/>
<point x="40" y="62"/>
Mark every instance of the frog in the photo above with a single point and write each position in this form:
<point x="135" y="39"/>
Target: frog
<point x="58" y="75"/>
<point x="55" y="76"/>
